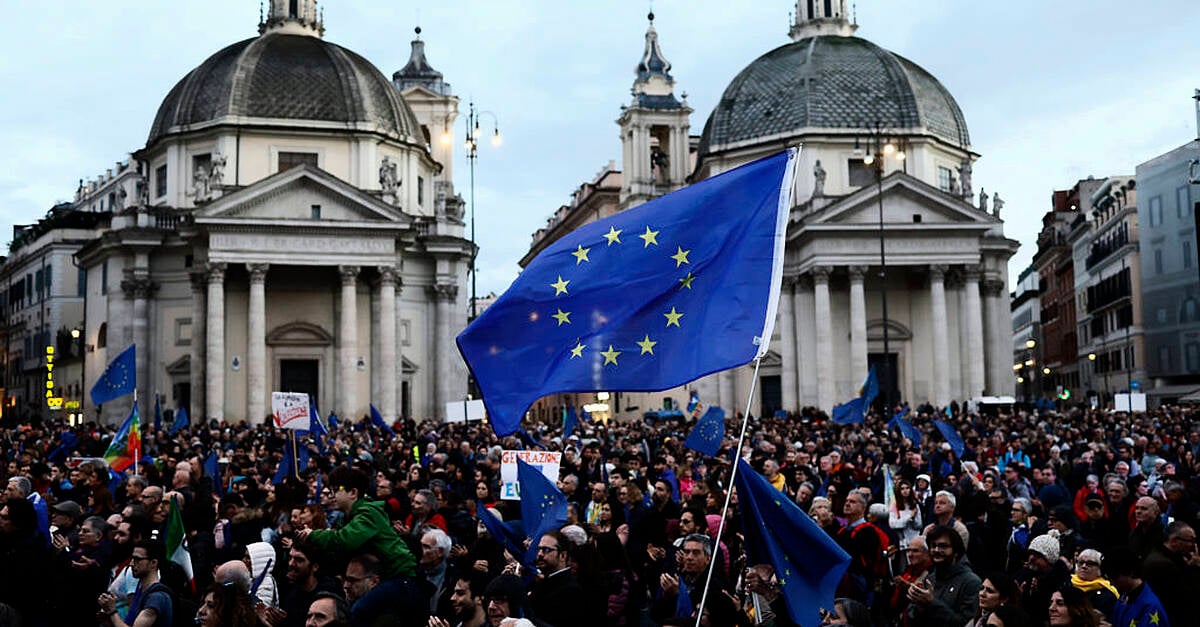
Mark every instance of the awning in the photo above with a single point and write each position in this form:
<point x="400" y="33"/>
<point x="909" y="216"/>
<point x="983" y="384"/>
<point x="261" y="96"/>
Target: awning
<point x="1180" y="391"/>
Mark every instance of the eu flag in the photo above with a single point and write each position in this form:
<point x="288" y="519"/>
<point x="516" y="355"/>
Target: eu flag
<point x="181" y="421"/>
<point x="378" y="421"/>
<point x="706" y="436"/>
<point x="906" y="427"/>
<point x="290" y="465"/>
<point x="952" y="437"/>
<point x="543" y="505"/>
<point x="855" y="409"/>
<point x="808" y="563"/>
<point x="648" y="299"/>
<point x="119" y="378"/>
<point x="505" y="535"/>
<point x="212" y="470"/>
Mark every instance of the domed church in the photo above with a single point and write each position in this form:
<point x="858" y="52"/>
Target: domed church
<point x="884" y="203"/>
<point x="288" y="226"/>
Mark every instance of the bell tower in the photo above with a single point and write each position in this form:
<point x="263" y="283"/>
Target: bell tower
<point x="655" y="156"/>
<point x="292" y="17"/>
<point x="821" y="17"/>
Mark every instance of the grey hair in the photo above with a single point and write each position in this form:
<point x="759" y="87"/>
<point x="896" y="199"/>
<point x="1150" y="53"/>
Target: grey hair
<point x="1025" y="504"/>
<point x="949" y="497"/>
<point x="702" y="539"/>
<point x="442" y="540"/>
<point x="23" y="484"/>
<point x="99" y="524"/>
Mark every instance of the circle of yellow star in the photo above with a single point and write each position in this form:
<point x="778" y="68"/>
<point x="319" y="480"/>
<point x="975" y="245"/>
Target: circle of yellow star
<point x="647" y="345"/>
<point x="613" y="236"/>
<point x="610" y="356"/>
<point x="563" y="317"/>
<point x="577" y="351"/>
<point x="581" y="254"/>
<point x="560" y="286"/>
<point x="673" y="317"/>
<point x="686" y="282"/>
<point x="649" y="237"/>
<point x="680" y="256"/>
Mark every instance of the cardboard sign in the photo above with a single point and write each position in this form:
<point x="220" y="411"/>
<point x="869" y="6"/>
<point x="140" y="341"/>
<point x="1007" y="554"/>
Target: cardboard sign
<point x="460" y="411"/>
<point x="546" y="461"/>
<point x="290" y="410"/>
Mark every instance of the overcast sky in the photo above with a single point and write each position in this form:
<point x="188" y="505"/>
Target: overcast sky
<point x="1052" y="91"/>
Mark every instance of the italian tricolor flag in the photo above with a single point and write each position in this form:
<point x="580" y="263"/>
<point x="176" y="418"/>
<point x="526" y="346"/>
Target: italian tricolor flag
<point x="176" y="543"/>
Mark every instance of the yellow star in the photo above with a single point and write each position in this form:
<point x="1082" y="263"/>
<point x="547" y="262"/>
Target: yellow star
<point x="649" y="237"/>
<point x="1153" y="618"/>
<point x="563" y="317"/>
<point x="610" y="356"/>
<point x="581" y="254"/>
<point x="613" y="236"/>
<point x="647" y="345"/>
<point x="680" y="256"/>
<point x="1132" y="622"/>
<point x="686" y="282"/>
<point x="673" y="317"/>
<point x="560" y="287"/>
<point x="577" y="351"/>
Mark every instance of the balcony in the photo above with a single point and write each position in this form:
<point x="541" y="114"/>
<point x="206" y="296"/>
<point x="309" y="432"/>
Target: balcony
<point x="1104" y="248"/>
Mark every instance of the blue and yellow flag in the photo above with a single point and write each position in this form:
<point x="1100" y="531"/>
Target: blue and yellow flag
<point x="543" y="505"/>
<point x="677" y="288"/>
<point x="856" y="409"/>
<point x="708" y="433"/>
<point x="118" y="379"/>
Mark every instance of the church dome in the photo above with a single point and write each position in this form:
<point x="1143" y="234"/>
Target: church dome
<point x="280" y="77"/>
<point x="831" y="83"/>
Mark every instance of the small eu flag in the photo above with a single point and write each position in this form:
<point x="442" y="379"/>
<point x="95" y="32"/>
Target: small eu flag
<point x="706" y="436"/>
<point x="808" y="563"/>
<point x="378" y="421"/>
<point x="181" y="421"/>
<point x="906" y="427"/>
<point x="855" y="409"/>
<point x="648" y="299"/>
<point x="543" y="505"/>
<point x="118" y="379"/>
<point x="952" y="437"/>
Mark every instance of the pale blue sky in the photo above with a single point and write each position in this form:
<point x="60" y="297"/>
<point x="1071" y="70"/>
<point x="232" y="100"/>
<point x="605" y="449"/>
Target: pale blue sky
<point x="1052" y="90"/>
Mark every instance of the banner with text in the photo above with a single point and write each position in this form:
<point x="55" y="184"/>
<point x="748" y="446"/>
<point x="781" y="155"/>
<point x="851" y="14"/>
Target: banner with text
<point x="546" y="461"/>
<point x="290" y="410"/>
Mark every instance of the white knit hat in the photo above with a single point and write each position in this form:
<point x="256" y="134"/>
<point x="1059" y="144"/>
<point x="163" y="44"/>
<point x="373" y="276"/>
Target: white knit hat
<point x="1046" y="546"/>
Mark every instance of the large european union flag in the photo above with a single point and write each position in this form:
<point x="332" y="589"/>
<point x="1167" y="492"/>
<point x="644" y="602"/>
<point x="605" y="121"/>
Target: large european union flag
<point x="119" y="378"/>
<point x="648" y="299"/>
<point x="808" y="563"/>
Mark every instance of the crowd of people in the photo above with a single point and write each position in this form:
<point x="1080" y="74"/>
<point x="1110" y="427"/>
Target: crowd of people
<point x="1080" y="517"/>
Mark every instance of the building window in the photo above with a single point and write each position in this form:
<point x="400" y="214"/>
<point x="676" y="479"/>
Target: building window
<point x="421" y="191"/>
<point x="1191" y="352"/>
<point x="1186" y="248"/>
<point x="104" y="277"/>
<point x="160" y="181"/>
<point x="1164" y="358"/>
<point x="944" y="182"/>
<point x="1162" y="315"/>
<point x="102" y="335"/>
<point x="860" y="173"/>
<point x="315" y="212"/>
<point x="1158" y="262"/>
<point x="293" y="159"/>
<point x="1183" y="206"/>
<point x="1188" y="311"/>
<point x="1156" y="211"/>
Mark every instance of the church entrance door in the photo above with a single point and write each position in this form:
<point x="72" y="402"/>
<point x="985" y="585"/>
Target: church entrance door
<point x="300" y="375"/>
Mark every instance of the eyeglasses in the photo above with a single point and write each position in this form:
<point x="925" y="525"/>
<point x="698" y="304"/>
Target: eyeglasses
<point x="138" y="558"/>
<point x="1082" y="563"/>
<point x="547" y="549"/>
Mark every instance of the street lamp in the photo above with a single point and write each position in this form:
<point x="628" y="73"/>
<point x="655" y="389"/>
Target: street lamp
<point x="881" y="145"/>
<point x="474" y="133"/>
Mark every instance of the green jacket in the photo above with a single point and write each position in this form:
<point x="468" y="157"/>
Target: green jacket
<point x="368" y="530"/>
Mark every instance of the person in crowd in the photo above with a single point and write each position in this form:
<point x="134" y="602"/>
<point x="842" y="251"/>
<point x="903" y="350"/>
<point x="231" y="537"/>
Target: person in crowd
<point x="1089" y="578"/>
<point x="998" y="589"/>
<point x="466" y="603"/>
<point x="950" y="596"/>
<point x="1009" y="616"/>
<point x="226" y="606"/>
<point x="305" y="581"/>
<point x="505" y="597"/>
<point x="153" y="604"/>
<point x="905" y="516"/>
<point x="327" y="610"/>
<point x="556" y="596"/>
<point x="1137" y="604"/>
<point x="917" y="564"/>
<point x="1173" y="570"/>
<point x="1022" y="532"/>
<point x="1069" y="607"/>
<point x="1148" y="532"/>
<point x="1044" y="573"/>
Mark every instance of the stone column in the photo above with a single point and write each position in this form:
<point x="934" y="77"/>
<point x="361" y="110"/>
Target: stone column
<point x="197" y="353"/>
<point x="787" y="348"/>
<point x="256" y="345"/>
<point x="728" y="391"/>
<point x="941" y="339"/>
<point x="138" y="288"/>
<point x="858" y="324"/>
<point x="347" y="342"/>
<point x="803" y="309"/>
<point x="998" y="350"/>
<point x="444" y="295"/>
<point x="215" y="341"/>
<point x="824" y="323"/>
<point x="385" y="344"/>
<point x="398" y="332"/>
<point x="974" y="323"/>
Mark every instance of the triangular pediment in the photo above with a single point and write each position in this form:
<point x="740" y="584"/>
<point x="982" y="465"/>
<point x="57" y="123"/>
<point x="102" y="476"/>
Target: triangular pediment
<point x="906" y="200"/>
<point x="302" y="194"/>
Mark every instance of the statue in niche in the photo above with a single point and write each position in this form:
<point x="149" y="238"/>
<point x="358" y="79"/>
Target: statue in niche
<point x="964" y="174"/>
<point x="955" y="190"/>
<point x="388" y="179"/>
<point x="200" y="183"/>
<point x="819" y="175"/>
<point x="983" y="200"/>
<point x="119" y="201"/>
<point x="997" y="204"/>
<point x="659" y="162"/>
<point x="216" y="173"/>
<point x="142" y="187"/>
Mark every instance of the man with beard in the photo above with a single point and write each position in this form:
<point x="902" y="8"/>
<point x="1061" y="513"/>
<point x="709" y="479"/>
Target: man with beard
<point x="679" y="596"/>
<point x="306" y="582"/>
<point x="557" y="597"/>
<point x="466" y="603"/>
<point x="950" y="596"/>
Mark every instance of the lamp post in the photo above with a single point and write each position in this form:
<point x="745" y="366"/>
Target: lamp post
<point x="1031" y="364"/>
<point x="472" y="146"/>
<point x="880" y="146"/>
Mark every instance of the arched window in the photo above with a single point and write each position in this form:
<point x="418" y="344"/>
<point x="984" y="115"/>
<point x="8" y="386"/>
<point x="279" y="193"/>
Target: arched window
<point x="102" y="335"/>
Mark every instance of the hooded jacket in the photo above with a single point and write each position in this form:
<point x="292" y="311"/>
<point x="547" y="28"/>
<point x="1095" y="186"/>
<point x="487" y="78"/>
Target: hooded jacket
<point x="368" y="530"/>
<point x="262" y="560"/>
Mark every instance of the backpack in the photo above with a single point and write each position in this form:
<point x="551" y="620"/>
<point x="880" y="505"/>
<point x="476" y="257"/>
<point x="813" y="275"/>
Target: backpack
<point x="878" y="565"/>
<point x="183" y="609"/>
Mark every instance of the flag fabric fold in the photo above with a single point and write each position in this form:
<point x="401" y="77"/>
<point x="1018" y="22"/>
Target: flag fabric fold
<point x="289" y="466"/>
<point x="177" y="544"/>
<point x="708" y="433"/>
<point x="118" y="379"/>
<point x="378" y="421"/>
<point x="950" y="434"/>
<point x="906" y="427"/>
<point x="570" y="421"/>
<point x="501" y="532"/>
<point x="67" y="442"/>
<point x="648" y="299"/>
<point x="212" y="470"/>
<point x="808" y="563"/>
<point x="126" y="445"/>
<point x="543" y="505"/>
<point x="182" y="421"/>
<point x="856" y="409"/>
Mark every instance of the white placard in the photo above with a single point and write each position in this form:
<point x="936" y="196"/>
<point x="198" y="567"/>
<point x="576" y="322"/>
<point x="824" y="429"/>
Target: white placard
<point x="465" y="410"/>
<point x="1122" y="402"/>
<point x="290" y="410"/>
<point x="545" y="461"/>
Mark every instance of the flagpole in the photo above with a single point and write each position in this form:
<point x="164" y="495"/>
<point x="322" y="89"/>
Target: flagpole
<point x="137" y="451"/>
<point x="712" y="565"/>
<point x="295" y="455"/>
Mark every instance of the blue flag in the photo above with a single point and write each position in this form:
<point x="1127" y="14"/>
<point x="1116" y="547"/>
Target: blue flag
<point x="570" y="421"/>
<point x="693" y="406"/>
<point x="952" y="437"/>
<point x="316" y="427"/>
<point x="378" y="421"/>
<point x="181" y="421"/>
<point x="585" y="415"/>
<point x="315" y="499"/>
<point x="856" y="409"/>
<point x="288" y="466"/>
<point x="708" y="433"/>
<point x="543" y="505"/>
<point x="67" y="442"/>
<point x="508" y="537"/>
<point x="808" y="563"/>
<point x="333" y="420"/>
<point x="648" y="299"/>
<point x="906" y="427"/>
<point x="212" y="470"/>
<point x="157" y="413"/>
<point x="119" y="378"/>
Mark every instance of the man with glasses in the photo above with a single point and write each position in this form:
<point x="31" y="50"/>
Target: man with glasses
<point x="1173" y="570"/>
<point x="917" y="564"/>
<point x="950" y="596"/>
<point x="153" y="603"/>
<point x="680" y="595"/>
<point x="556" y="598"/>
<point x="861" y="540"/>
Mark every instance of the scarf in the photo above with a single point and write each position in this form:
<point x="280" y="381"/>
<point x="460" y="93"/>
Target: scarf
<point x="1093" y="584"/>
